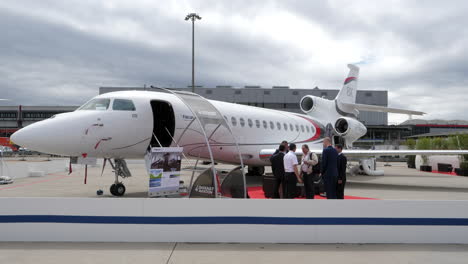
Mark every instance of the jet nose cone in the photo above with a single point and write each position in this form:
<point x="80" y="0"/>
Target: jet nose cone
<point x="60" y="135"/>
<point x="19" y="138"/>
<point x="38" y="136"/>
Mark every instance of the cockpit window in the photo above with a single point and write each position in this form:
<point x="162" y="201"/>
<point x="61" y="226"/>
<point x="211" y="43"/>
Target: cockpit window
<point x="99" y="104"/>
<point x="123" y="105"/>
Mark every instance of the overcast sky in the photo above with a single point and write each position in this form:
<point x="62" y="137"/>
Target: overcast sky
<point x="55" y="52"/>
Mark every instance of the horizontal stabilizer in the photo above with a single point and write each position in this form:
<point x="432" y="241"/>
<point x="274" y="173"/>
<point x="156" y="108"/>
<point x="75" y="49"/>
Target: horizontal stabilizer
<point x="376" y="108"/>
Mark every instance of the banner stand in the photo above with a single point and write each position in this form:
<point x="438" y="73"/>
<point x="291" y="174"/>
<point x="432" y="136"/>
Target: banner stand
<point x="163" y="165"/>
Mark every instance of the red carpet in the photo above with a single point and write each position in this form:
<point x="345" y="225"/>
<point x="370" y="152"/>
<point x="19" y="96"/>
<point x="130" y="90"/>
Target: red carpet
<point x="257" y="193"/>
<point x="443" y="172"/>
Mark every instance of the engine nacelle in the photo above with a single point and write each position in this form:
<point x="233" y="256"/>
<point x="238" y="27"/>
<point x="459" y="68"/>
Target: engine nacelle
<point x="350" y="129"/>
<point x="309" y="103"/>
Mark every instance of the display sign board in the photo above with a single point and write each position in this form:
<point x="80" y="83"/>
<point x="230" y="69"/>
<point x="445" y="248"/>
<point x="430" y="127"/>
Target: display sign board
<point x="204" y="186"/>
<point x="163" y="165"/>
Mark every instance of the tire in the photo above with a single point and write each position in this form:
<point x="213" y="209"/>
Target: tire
<point x="112" y="189"/>
<point x="119" y="189"/>
<point x="255" y="171"/>
<point x="261" y="170"/>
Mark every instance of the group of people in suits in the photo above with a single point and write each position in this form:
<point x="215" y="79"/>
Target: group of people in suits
<point x="288" y="171"/>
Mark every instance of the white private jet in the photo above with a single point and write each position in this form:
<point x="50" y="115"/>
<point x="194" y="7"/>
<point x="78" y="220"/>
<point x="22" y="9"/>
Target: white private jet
<point x="122" y="125"/>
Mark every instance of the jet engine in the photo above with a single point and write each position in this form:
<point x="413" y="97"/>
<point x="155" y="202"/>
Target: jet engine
<point x="309" y="103"/>
<point x="350" y="129"/>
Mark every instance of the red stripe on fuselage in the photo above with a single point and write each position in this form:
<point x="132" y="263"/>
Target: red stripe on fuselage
<point x="318" y="131"/>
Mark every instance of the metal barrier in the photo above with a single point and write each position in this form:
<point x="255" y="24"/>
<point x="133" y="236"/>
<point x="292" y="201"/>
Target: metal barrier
<point x="233" y="220"/>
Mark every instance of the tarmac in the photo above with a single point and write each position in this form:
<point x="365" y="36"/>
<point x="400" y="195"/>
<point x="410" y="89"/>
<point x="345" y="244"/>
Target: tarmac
<point x="399" y="182"/>
<point x="105" y="253"/>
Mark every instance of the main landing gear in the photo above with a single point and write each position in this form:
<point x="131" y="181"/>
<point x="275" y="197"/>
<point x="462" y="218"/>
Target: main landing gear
<point x="255" y="171"/>
<point x="120" y="169"/>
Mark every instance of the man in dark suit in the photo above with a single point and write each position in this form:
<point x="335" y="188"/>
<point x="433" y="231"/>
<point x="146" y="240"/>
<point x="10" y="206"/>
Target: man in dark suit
<point x="277" y="166"/>
<point x="286" y="147"/>
<point x="342" y="162"/>
<point x="329" y="168"/>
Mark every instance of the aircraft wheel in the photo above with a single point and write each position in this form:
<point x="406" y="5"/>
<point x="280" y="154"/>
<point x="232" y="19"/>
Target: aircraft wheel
<point x="255" y="171"/>
<point x="117" y="189"/>
<point x="112" y="189"/>
<point x="260" y="170"/>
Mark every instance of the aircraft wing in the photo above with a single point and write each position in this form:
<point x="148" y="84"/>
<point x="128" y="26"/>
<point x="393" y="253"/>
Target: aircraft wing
<point x="266" y="153"/>
<point x="376" y="108"/>
<point x="360" y="152"/>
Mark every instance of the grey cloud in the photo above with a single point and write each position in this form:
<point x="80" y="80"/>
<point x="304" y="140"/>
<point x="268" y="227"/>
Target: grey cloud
<point x="52" y="54"/>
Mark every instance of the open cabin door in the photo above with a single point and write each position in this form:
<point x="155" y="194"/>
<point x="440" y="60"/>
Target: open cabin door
<point x="163" y="124"/>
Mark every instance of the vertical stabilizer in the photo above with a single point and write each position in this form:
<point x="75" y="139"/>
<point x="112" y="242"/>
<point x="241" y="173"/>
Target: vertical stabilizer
<point x="347" y="94"/>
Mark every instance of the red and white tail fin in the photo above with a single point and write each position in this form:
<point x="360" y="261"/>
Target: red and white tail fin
<point x="346" y="98"/>
<point x="347" y="94"/>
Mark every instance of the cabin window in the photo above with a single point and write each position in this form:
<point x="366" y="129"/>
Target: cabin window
<point x="265" y="125"/>
<point x="297" y="128"/>
<point x="278" y="125"/>
<point x="302" y="128"/>
<point x="312" y="129"/>
<point x="234" y="121"/>
<point x="99" y="104"/>
<point x="291" y="127"/>
<point x="307" y="128"/>
<point x="123" y="105"/>
<point x="285" y="127"/>
<point x="250" y="122"/>
<point x="257" y="123"/>
<point x="242" y="122"/>
<point x="272" y="126"/>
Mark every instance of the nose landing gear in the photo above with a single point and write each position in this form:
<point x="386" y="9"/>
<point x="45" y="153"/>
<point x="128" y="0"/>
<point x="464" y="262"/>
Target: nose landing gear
<point x="117" y="189"/>
<point x="120" y="169"/>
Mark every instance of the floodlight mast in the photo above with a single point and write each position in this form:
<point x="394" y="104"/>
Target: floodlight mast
<point x="193" y="17"/>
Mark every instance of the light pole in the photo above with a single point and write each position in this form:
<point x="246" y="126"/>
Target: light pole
<point x="193" y="17"/>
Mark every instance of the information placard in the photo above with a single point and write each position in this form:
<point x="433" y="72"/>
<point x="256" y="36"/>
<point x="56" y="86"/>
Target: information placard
<point x="164" y="166"/>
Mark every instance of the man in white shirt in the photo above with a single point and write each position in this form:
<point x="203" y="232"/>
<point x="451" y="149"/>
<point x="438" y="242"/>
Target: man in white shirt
<point x="309" y="160"/>
<point x="291" y="175"/>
